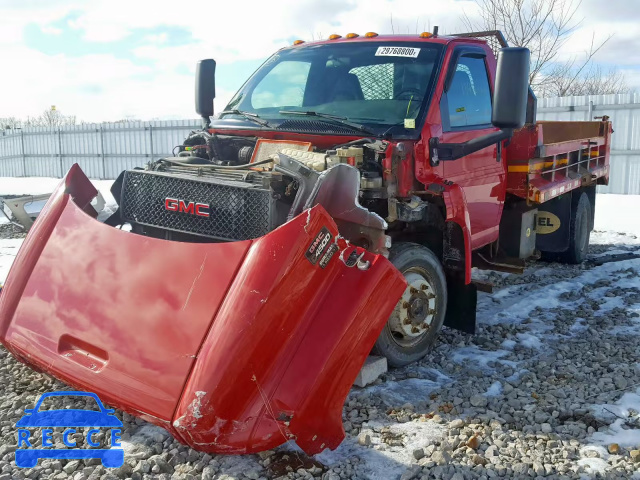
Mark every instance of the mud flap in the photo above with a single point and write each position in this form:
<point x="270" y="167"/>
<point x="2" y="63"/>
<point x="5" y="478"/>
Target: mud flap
<point x="553" y="224"/>
<point x="461" y="305"/>
<point x="591" y="193"/>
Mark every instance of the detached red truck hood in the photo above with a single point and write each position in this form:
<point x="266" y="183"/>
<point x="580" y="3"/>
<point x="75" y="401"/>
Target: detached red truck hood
<point x="233" y="347"/>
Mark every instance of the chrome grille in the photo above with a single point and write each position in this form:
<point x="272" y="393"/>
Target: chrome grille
<point x="238" y="211"/>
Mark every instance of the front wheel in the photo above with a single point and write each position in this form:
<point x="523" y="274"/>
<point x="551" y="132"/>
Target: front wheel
<point x="413" y="327"/>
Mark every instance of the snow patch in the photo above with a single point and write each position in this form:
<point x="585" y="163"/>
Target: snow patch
<point x="416" y="389"/>
<point x="410" y="390"/>
<point x="578" y="326"/>
<point x="618" y="213"/>
<point x="625" y="430"/>
<point x="394" y="460"/>
<point x="618" y="432"/>
<point x="494" y="390"/>
<point x="529" y="341"/>
<point x="476" y="357"/>
<point x="8" y="251"/>
<point x="516" y="375"/>
<point x="594" y="465"/>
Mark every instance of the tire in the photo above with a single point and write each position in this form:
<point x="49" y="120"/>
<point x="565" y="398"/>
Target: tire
<point x="580" y="231"/>
<point x="423" y="306"/>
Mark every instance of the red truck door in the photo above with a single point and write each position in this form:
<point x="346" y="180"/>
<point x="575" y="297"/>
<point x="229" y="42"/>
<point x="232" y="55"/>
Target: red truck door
<point x="466" y="114"/>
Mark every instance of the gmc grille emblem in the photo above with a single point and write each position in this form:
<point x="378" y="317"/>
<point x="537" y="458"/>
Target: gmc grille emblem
<point x="183" y="206"/>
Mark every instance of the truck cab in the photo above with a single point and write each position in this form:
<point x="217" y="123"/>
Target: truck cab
<point x="405" y="90"/>
<point x="425" y="119"/>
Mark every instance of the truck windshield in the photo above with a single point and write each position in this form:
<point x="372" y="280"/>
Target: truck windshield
<point x="384" y="86"/>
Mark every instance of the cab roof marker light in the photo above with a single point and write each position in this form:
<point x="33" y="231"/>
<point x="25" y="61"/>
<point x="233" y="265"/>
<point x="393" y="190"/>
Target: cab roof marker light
<point x="298" y="42"/>
<point x="370" y="34"/>
<point x="334" y="36"/>
<point x="426" y="35"/>
<point x="352" y="35"/>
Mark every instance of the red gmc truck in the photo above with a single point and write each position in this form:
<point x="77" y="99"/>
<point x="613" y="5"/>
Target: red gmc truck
<point x="336" y="206"/>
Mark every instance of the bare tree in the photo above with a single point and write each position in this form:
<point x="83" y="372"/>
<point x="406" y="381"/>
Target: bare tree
<point x="125" y="119"/>
<point x="565" y="79"/>
<point x="52" y="118"/>
<point x="543" y="26"/>
<point x="10" y="123"/>
<point x="580" y="77"/>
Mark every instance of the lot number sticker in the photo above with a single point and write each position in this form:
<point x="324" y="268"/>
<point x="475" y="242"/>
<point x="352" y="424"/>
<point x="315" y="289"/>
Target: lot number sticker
<point x="397" y="52"/>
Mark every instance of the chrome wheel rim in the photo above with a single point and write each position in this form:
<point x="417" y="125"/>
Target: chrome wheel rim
<point x="416" y="310"/>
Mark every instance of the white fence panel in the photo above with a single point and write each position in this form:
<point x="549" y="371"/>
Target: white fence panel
<point x="11" y="162"/>
<point x="624" y="112"/>
<point x="101" y="150"/>
<point x="104" y="150"/>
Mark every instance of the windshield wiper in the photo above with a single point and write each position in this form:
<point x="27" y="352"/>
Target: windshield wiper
<point x="336" y="118"/>
<point x="248" y="115"/>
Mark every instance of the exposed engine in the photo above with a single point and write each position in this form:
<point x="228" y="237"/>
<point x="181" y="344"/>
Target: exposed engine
<point x="230" y="188"/>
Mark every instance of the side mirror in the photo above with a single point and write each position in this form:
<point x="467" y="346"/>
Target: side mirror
<point x="205" y="89"/>
<point x="509" y="107"/>
<point x="511" y="88"/>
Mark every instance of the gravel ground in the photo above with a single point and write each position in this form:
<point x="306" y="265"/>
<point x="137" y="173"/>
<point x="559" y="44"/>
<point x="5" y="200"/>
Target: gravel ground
<point x="9" y="230"/>
<point x="548" y="387"/>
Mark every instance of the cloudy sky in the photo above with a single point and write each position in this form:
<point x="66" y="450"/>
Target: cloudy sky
<point x="114" y="59"/>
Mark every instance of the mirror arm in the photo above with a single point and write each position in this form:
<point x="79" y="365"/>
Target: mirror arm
<point x="453" y="151"/>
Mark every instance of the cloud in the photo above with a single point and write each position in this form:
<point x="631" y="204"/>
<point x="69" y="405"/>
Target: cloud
<point x="598" y="12"/>
<point x="621" y="49"/>
<point x="157" y="39"/>
<point x="106" y="59"/>
<point x="632" y="77"/>
<point x="50" y="30"/>
<point x="624" y="48"/>
<point x="105" y="64"/>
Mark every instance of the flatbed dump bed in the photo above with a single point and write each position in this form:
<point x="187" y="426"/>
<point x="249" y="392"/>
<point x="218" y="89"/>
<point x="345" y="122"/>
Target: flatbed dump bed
<point x="547" y="159"/>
